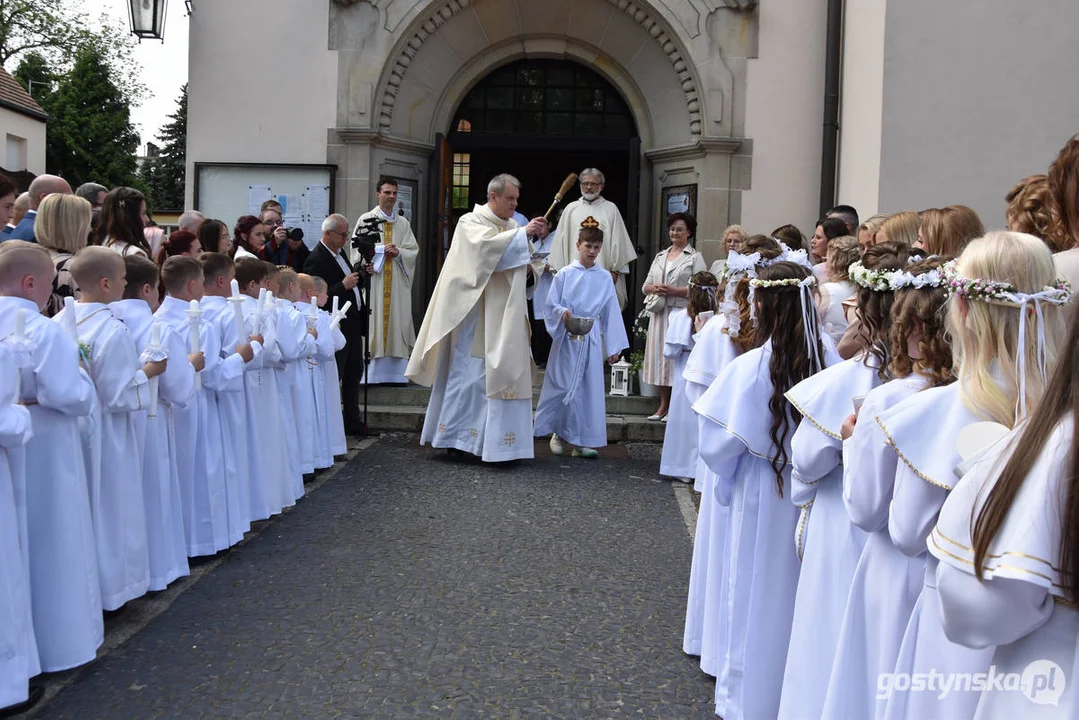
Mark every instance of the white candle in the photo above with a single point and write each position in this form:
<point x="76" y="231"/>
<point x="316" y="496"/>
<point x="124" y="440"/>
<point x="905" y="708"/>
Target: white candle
<point x="335" y="301"/>
<point x="235" y="288"/>
<point x="20" y="335"/>
<point x="312" y="313"/>
<point x="238" y="314"/>
<point x="338" y="316"/>
<point x="70" y="321"/>
<point x="195" y="315"/>
<point x="155" y="343"/>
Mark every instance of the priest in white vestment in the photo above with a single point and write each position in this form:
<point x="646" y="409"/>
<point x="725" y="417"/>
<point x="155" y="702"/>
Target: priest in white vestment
<point x="472" y="349"/>
<point x="392" y="333"/>
<point x="618" y="251"/>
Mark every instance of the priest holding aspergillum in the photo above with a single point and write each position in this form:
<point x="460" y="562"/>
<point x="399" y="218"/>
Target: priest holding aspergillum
<point x="472" y="349"/>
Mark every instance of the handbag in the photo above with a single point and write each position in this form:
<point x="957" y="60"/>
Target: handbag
<point x="654" y="303"/>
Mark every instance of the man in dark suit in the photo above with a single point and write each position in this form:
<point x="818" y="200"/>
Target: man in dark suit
<point x="40" y="188"/>
<point x="329" y="263"/>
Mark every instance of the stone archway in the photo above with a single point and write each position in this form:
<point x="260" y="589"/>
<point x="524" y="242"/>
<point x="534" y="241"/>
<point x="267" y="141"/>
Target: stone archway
<point x="453" y="43"/>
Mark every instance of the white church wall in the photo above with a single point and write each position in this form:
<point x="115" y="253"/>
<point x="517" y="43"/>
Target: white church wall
<point x="262" y="85"/>
<point x="977" y="95"/>
<point x="784" y="110"/>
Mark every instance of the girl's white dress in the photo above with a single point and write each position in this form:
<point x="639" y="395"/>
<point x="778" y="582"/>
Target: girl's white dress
<point x="886" y="581"/>
<point x="1020" y="606"/>
<point x="828" y="544"/>
<point x="923" y="430"/>
<point x="761" y="572"/>
<point x="679" y="457"/>
<point x="704" y="636"/>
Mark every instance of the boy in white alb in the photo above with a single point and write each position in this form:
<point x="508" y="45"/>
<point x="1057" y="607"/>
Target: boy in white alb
<point x="64" y="592"/>
<point x="113" y="455"/>
<point x="200" y="460"/>
<point x="19" y="662"/>
<point x="301" y="324"/>
<point x="266" y="452"/>
<point x="153" y="426"/>
<point x="316" y="376"/>
<point x="571" y="404"/>
<point x="335" y="421"/>
<point x="238" y="354"/>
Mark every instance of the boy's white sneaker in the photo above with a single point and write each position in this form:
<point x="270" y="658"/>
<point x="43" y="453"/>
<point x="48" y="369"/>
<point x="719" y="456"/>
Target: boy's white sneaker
<point x="557" y="448"/>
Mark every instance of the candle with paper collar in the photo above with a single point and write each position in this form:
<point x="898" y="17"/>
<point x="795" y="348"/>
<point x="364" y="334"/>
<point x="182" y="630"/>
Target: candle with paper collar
<point x="235" y="288"/>
<point x="237" y="301"/>
<point x="155" y="344"/>
<point x="70" y="321"/>
<point x="338" y="316"/>
<point x="312" y="313"/>
<point x="20" y="335"/>
<point x="194" y="312"/>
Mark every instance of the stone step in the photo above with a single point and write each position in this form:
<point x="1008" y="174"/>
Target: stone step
<point x="409" y="418"/>
<point x="417" y="396"/>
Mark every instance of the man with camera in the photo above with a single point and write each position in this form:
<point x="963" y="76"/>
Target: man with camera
<point x="472" y="349"/>
<point x="394" y="265"/>
<point x="284" y="246"/>
<point x="329" y="263"/>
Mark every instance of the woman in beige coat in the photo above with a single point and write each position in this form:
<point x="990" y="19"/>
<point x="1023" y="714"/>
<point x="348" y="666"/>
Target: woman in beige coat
<point x="666" y="289"/>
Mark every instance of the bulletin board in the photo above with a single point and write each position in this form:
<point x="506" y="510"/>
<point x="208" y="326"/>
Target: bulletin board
<point x="681" y="198"/>
<point x="226" y="191"/>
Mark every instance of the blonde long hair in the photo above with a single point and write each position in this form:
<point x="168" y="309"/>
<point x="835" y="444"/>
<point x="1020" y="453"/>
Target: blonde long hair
<point x="985" y="334"/>
<point x="901" y="228"/>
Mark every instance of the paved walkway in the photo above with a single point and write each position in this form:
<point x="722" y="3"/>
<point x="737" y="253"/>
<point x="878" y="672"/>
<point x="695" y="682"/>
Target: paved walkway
<point x="413" y="586"/>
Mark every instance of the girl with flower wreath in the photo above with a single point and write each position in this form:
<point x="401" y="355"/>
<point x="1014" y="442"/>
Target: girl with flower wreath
<point x="1008" y="544"/>
<point x="886" y="582"/>
<point x="746" y="426"/>
<point x="828" y="544"/>
<point x="1006" y="325"/>
<point x="715" y="346"/>
<point x="679" y="458"/>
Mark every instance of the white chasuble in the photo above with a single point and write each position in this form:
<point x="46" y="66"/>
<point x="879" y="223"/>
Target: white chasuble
<point x="392" y="333"/>
<point x="64" y="587"/>
<point x="571" y="403"/>
<point x="113" y="457"/>
<point x="160" y="478"/>
<point x="618" y="251"/>
<point x="473" y="346"/>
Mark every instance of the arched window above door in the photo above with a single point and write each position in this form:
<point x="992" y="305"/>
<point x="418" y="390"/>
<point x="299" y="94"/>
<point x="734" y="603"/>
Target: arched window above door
<point x="545" y="97"/>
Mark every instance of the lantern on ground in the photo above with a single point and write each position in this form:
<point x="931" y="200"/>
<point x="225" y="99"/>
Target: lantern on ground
<point x="148" y="18"/>
<point x="620" y="378"/>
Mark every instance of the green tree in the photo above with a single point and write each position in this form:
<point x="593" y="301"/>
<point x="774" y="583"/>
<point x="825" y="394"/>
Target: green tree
<point x="37" y="76"/>
<point x="28" y="25"/>
<point x="164" y="175"/>
<point x="89" y="134"/>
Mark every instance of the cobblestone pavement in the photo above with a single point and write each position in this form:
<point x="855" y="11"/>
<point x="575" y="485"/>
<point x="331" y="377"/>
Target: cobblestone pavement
<point x="414" y="586"/>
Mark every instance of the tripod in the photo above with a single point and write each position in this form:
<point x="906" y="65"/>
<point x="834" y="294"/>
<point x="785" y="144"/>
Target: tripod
<point x="365" y="337"/>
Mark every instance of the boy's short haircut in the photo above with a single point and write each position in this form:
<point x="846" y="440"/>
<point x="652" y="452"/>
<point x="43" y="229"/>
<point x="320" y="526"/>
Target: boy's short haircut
<point x="178" y="271"/>
<point x="285" y="277"/>
<point x="19" y="258"/>
<point x="307" y="283"/>
<point x="249" y="270"/>
<point x="140" y="272"/>
<point x="93" y="263"/>
<point x="590" y="234"/>
<point x="214" y="265"/>
<point x="321" y="285"/>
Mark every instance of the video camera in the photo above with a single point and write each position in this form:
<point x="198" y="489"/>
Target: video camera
<point x="368" y="234"/>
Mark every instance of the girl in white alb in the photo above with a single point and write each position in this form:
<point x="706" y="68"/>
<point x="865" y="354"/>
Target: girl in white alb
<point x="1011" y="582"/>
<point x="1003" y="298"/>
<point x="745" y="439"/>
<point x="827" y="543"/>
